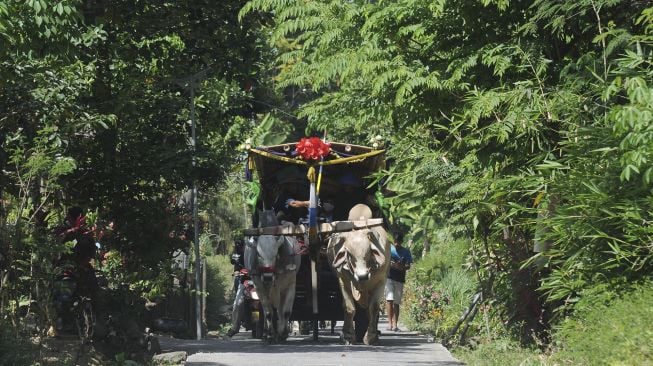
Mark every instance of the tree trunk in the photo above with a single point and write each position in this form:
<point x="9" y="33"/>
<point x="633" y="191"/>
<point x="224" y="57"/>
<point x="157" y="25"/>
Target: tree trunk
<point x="427" y="246"/>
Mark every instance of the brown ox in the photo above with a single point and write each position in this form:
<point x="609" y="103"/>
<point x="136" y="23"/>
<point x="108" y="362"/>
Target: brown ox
<point x="361" y="259"/>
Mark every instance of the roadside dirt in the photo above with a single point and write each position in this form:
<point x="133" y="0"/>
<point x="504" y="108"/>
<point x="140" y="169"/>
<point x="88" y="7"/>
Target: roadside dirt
<point x="68" y="350"/>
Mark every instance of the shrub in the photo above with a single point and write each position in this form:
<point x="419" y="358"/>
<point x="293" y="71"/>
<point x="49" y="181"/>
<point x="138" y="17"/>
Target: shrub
<point x="438" y="289"/>
<point x="219" y="285"/>
<point x="425" y="305"/>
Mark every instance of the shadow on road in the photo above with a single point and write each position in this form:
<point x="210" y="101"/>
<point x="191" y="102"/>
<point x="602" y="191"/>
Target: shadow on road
<point x="396" y="341"/>
<point x="394" y="348"/>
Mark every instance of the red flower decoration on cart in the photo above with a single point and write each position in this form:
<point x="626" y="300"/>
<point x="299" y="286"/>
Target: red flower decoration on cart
<point x="312" y="148"/>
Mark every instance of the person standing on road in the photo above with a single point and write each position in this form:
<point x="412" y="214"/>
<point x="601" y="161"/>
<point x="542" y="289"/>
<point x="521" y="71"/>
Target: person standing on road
<point x="238" y="260"/>
<point x="400" y="261"/>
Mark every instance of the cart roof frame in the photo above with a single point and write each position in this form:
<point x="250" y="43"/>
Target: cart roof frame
<point x="359" y="161"/>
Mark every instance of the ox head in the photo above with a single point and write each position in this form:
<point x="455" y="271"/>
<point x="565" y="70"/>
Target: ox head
<point x="360" y="252"/>
<point x="268" y="250"/>
<point x="275" y="254"/>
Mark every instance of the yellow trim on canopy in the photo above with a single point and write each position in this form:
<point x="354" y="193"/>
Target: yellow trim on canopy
<point x="277" y="157"/>
<point x="350" y="159"/>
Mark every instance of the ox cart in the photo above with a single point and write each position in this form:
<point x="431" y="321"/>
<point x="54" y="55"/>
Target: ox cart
<point x="305" y="193"/>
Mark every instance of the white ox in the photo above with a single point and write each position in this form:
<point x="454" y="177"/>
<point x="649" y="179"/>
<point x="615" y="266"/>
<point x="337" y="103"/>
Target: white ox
<point x="361" y="259"/>
<point x="273" y="263"/>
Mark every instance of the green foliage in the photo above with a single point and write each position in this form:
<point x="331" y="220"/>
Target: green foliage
<point x="219" y="287"/>
<point x="270" y="131"/>
<point x="15" y="350"/>
<point x="632" y="115"/>
<point x="512" y="123"/>
<point x="425" y="306"/>
<point x="227" y="214"/>
<point x="148" y="282"/>
<point x="95" y="111"/>
<point x="44" y="27"/>
<point x="619" y="325"/>
<point x="438" y="289"/>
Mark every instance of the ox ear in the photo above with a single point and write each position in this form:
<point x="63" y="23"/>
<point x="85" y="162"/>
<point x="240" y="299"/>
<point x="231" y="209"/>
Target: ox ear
<point x="378" y="257"/>
<point x="377" y="253"/>
<point x="340" y="258"/>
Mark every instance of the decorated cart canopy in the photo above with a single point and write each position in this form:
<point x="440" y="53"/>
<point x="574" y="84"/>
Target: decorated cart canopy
<point x="328" y="166"/>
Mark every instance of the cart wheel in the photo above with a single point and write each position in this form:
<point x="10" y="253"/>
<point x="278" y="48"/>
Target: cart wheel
<point x="257" y="329"/>
<point x="315" y="329"/>
<point x="258" y="322"/>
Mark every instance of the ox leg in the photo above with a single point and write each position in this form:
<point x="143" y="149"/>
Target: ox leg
<point x="276" y="321"/>
<point x="266" y="322"/>
<point x="268" y="310"/>
<point x="274" y="313"/>
<point x="372" y="334"/>
<point x="269" y="323"/>
<point x="271" y="317"/>
<point x="284" y="329"/>
<point x="286" y="309"/>
<point x="348" y="334"/>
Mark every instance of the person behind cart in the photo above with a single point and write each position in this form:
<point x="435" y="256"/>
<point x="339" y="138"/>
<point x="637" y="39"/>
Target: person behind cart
<point x="400" y="262"/>
<point x="352" y="192"/>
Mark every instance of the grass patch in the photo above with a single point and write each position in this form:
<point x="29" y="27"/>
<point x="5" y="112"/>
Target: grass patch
<point x="607" y="328"/>
<point x="499" y="352"/>
<point x="15" y="348"/>
<point x="619" y="332"/>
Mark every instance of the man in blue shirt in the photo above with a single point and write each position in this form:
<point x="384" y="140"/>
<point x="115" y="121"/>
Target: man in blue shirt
<point x="400" y="261"/>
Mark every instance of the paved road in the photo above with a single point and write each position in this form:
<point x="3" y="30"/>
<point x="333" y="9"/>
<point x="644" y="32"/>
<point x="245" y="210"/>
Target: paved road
<point x="395" y="348"/>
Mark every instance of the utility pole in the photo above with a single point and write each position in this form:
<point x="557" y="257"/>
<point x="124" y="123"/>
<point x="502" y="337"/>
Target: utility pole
<point x="190" y="83"/>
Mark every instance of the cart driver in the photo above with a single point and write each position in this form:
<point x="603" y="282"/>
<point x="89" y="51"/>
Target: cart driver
<point x="289" y="204"/>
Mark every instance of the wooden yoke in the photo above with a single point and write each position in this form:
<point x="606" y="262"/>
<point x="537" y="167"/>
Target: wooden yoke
<point x="342" y="226"/>
<point x="288" y="229"/>
<point x="323" y="228"/>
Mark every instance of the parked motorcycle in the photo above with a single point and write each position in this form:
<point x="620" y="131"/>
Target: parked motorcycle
<point x="252" y="309"/>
